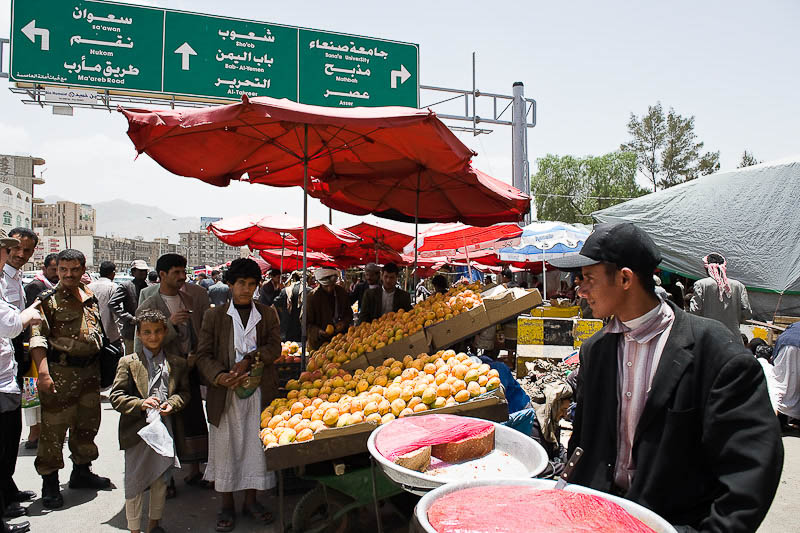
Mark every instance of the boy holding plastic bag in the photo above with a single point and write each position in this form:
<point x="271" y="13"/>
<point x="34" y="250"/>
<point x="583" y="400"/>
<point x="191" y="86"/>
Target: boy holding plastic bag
<point x="150" y="386"/>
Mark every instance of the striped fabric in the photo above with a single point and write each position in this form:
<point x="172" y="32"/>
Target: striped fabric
<point x="640" y="348"/>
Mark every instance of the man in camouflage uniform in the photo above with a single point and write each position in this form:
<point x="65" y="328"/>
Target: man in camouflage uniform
<point x="65" y="348"/>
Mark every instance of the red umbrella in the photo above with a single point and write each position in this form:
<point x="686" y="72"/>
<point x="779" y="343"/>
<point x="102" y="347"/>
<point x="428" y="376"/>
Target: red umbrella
<point x="380" y="236"/>
<point x="378" y="244"/>
<point x="263" y="265"/>
<point x="293" y="259"/>
<point x="273" y="231"/>
<point x="276" y="141"/>
<point x="468" y="196"/>
<point x="455" y="239"/>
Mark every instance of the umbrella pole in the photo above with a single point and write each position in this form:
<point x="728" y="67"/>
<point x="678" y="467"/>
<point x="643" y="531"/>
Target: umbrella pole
<point x="469" y="265"/>
<point x="304" y="325"/>
<point x="283" y="245"/>
<point x="544" y="278"/>
<point x="416" y="240"/>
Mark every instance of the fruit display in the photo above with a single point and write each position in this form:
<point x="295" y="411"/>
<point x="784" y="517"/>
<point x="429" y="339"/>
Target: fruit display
<point x="330" y="397"/>
<point x="392" y="327"/>
<point x="290" y="352"/>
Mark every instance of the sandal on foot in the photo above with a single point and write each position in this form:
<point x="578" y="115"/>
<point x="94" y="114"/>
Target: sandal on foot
<point x="172" y="492"/>
<point x="258" y="512"/>
<point x="196" y="480"/>
<point x="226" y="520"/>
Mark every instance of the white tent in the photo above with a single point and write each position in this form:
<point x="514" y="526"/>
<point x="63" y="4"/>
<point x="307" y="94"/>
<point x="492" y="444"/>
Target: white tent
<point x="750" y="215"/>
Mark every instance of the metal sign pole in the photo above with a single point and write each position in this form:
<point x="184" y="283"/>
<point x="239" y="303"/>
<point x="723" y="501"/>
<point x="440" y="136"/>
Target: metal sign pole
<point x="519" y="145"/>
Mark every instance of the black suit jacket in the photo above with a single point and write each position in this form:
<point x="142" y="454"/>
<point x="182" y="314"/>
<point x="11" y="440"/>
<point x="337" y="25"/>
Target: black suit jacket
<point x="371" y="303"/>
<point x="707" y="449"/>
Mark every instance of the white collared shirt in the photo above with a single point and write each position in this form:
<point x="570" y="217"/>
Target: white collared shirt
<point x="387" y="302"/>
<point x="13" y="291"/>
<point x="10" y="327"/>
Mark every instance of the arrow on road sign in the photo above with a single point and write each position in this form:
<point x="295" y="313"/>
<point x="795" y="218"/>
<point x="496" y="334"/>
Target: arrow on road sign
<point x="185" y="50"/>
<point x="31" y="31"/>
<point x="403" y="74"/>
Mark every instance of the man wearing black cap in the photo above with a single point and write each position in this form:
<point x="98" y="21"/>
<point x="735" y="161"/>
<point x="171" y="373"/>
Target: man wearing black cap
<point x="671" y="413"/>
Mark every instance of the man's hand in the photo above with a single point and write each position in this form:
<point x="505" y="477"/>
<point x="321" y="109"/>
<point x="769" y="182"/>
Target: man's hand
<point x="241" y="367"/>
<point x="46" y="384"/>
<point x="179" y="317"/>
<point x="151" y="403"/>
<point x="231" y="380"/>
<point x="31" y="315"/>
<point x="166" y="409"/>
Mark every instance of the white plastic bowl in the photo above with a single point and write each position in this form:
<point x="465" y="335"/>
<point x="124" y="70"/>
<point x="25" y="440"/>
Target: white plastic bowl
<point x="516" y="456"/>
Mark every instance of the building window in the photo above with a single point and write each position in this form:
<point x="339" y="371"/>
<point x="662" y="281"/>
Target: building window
<point x="19" y="220"/>
<point x="6" y="218"/>
<point x="19" y="196"/>
<point x="27" y="222"/>
<point x="7" y="191"/>
<point x="28" y="200"/>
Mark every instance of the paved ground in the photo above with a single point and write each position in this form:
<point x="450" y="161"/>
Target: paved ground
<point x="195" y="509"/>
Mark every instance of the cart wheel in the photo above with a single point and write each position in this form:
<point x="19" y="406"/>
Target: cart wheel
<point x="312" y="512"/>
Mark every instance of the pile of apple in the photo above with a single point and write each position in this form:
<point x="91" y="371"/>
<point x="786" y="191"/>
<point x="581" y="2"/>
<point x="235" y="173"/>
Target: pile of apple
<point x="392" y="327"/>
<point x="331" y="397"/>
<point x="290" y="352"/>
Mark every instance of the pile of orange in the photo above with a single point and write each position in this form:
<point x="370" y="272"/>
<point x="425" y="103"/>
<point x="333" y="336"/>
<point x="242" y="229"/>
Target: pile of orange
<point x="378" y="395"/>
<point x="290" y="353"/>
<point x="392" y="327"/>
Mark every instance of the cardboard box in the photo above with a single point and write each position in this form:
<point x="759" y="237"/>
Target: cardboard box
<point x="414" y="344"/>
<point x="516" y="301"/>
<point x="448" y="332"/>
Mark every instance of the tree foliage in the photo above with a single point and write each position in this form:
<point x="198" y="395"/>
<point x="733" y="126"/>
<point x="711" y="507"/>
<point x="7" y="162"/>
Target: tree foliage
<point x="569" y="189"/>
<point x="666" y="148"/>
<point x="748" y="160"/>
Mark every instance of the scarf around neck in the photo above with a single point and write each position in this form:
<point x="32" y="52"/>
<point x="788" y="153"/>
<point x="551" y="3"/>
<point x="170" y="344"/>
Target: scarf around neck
<point x="719" y="273"/>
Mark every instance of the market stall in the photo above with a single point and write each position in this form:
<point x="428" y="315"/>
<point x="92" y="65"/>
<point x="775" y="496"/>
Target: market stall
<point x="415" y="168"/>
<point x="409" y="155"/>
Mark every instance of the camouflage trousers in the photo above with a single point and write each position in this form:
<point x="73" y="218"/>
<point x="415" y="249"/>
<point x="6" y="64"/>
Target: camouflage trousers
<point x="75" y="406"/>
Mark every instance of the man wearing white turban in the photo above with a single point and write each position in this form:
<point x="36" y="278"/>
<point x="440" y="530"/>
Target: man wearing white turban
<point x="328" y="308"/>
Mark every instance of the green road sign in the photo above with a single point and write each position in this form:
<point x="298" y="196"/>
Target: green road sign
<point x="139" y="49"/>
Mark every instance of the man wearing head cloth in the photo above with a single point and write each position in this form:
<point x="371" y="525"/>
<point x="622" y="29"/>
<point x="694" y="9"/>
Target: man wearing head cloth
<point x="720" y="297"/>
<point x="328" y="308"/>
<point x="672" y="411"/>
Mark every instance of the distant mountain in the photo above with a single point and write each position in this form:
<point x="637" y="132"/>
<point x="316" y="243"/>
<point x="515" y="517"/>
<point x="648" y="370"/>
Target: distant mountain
<point x="124" y="219"/>
<point x="121" y="218"/>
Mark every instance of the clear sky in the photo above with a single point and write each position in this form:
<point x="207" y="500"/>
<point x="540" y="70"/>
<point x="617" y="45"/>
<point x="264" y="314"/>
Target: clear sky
<point x="731" y="64"/>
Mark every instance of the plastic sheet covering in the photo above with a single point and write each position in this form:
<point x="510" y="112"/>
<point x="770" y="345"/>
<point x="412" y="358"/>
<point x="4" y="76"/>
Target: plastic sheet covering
<point x="408" y="434"/>
<point x="748" y="215"/>
<point x="512" y="509"/>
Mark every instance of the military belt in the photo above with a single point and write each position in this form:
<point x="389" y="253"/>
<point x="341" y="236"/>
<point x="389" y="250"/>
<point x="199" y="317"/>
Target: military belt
<point x="65" y="359"/>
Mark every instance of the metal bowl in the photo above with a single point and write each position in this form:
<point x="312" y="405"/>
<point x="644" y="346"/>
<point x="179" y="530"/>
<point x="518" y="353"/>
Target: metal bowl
<point x="646" y="516"/>
<point x="516" y="456"/>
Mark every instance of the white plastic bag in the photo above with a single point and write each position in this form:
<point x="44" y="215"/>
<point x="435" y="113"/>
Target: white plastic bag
<point x="156" y="435"/>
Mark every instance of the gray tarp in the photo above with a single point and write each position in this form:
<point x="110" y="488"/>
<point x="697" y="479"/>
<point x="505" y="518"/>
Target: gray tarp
<point x="750" y="215"/>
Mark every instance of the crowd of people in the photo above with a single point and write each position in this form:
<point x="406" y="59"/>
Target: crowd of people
<point x="195" y="370"/>
<point x="181" y="344"/>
